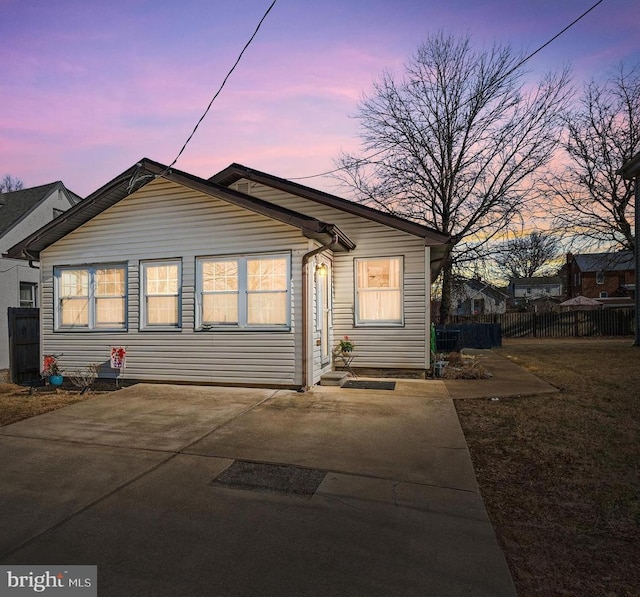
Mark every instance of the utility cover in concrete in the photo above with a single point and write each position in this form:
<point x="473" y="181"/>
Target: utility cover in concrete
<point x="270" y="478"/>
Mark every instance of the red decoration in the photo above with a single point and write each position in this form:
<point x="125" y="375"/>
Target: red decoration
<point x="118" y="354"/>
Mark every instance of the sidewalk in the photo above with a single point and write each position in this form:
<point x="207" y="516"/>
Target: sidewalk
<point x="507" y="379"/>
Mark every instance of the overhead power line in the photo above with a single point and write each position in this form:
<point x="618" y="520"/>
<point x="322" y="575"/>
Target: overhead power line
<point x="516" y="67"/>
<point x="217" y="93"/>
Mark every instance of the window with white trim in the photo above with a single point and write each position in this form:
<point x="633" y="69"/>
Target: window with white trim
<point x="249" y="291"/>
<point x="91" y="297"/>
<point x="161" y="294"/>
<point x="28" y="291"/>
<point x="378" y="288"/>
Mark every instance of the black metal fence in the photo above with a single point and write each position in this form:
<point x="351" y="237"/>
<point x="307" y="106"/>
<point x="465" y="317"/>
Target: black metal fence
<point x="562" y="324"/>
<point x="455" y="336"/>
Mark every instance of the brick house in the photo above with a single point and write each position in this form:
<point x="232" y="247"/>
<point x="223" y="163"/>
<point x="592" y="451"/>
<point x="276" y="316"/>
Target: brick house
<point x="601" y="275"/>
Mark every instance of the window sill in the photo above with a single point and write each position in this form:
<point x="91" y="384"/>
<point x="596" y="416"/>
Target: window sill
<point x="235" y="328"/>
<point x="91" y="330"/>
<point x="381" y="324"/>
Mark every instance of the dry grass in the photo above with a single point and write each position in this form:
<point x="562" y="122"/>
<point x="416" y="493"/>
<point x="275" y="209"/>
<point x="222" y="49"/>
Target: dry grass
<point x="16" y="402"/>
<point x="559" y="473"/>
<point x="464" y="367"/>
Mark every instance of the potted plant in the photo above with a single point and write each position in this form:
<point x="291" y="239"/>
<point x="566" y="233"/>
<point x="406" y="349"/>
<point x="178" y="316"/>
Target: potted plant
<point x="346" y="345"/>
<point x="51" y="370"/>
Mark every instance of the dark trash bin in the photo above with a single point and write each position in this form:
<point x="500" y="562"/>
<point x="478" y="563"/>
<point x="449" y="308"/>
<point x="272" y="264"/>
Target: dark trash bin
<point x="447" y="340"/>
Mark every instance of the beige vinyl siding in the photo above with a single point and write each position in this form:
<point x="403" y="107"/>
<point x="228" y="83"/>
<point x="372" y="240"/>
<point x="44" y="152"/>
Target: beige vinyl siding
<point x="167" y="221"/>
<point x="380" y="346"/>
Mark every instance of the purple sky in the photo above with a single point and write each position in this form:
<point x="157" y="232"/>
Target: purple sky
<point x="88" y="87"/>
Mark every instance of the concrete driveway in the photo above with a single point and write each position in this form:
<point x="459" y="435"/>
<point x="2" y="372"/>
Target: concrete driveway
<point x="126" y="481"/>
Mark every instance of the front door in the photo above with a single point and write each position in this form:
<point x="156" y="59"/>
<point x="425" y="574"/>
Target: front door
<point x="324" y="313"/>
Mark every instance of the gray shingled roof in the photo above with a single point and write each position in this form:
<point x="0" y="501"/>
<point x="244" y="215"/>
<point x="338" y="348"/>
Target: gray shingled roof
<point x="604" y="262"/>
<point x="14" y="206"/>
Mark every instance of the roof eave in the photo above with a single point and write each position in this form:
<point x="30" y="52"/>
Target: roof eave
<point x="235" y="172"/>
<point x="144" y="172"/>
<point x="630" y="169"/>
<point x="68" y="221"/>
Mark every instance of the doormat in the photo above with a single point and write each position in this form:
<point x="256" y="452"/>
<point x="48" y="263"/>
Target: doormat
<point x="370" y="385"/>
<point x="270" y="478"/>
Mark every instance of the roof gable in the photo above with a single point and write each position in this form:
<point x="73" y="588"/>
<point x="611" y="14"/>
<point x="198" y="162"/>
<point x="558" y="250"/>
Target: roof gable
<point x="235" y="172"/>
<point x="144" y="172"/>
<point x="479" y="287"/>
<point x="16" y="205"/>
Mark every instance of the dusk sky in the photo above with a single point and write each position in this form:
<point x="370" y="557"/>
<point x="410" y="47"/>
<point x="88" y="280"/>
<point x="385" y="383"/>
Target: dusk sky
<point x="88" y="87"/>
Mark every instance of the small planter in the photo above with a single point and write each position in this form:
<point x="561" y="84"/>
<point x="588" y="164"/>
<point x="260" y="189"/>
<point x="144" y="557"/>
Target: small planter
<point x="56" y="380"/>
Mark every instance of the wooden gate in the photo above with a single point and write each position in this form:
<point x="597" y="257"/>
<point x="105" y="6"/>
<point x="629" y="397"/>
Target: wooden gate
<point x="24" y="344"/>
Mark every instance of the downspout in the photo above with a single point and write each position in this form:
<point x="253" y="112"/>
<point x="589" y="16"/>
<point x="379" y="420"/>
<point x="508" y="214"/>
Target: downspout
<point x="305" y="307"/>
<point x="32" y="260"/>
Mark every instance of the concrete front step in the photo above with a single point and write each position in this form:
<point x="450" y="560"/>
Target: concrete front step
<point x="334" y="378"/>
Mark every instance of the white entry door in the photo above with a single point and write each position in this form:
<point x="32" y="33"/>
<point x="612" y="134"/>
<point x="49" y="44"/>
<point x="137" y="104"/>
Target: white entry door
<point x="323" y="310"/>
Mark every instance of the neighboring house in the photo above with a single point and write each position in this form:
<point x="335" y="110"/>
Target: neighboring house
<point x="475" y="297"/>
<point x="21" y="213"/>
<point x="524" y="290"/>
<point x="601" y="276"/>
<point x="244" y="279"/>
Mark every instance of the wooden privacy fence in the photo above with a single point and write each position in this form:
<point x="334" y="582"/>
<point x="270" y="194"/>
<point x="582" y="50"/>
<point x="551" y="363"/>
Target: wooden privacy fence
<point x="24" y="344"/>
<point x="561" y="324"/>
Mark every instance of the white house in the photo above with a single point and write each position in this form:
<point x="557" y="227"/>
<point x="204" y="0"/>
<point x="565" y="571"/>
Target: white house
<point x="531" y="289"/>
<point x="21" y="213"/>
<point x="476" y="297"/>
<point x="244" y="278"/>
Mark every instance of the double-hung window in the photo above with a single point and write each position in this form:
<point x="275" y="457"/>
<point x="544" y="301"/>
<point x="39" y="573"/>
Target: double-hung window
<point x="250" y="291"/>
<point x="378" y="287"/>
<point x="91" y="297"/>
<point x="161" y="294"/>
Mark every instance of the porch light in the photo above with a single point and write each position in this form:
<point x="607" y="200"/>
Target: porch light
<point x="321" y="270"/>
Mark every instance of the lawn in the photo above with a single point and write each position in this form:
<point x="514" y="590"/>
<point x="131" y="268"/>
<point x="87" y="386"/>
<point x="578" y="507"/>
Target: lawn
<point x="560" y="473"/>
<point x="17" y="402"/>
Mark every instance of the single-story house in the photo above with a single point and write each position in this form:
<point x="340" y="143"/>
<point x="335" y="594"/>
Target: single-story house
<point x="21" y="213"/>
<point x="601" y="276"/>
<point x="244" y="278"/>
<point x="477" y="297"/>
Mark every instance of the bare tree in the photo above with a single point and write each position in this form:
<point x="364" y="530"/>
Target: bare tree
<point x="602" y="132"/>
<point x="455" y="142"/>
<point x="9" y="184"/>
<point x="527" y="256"/>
